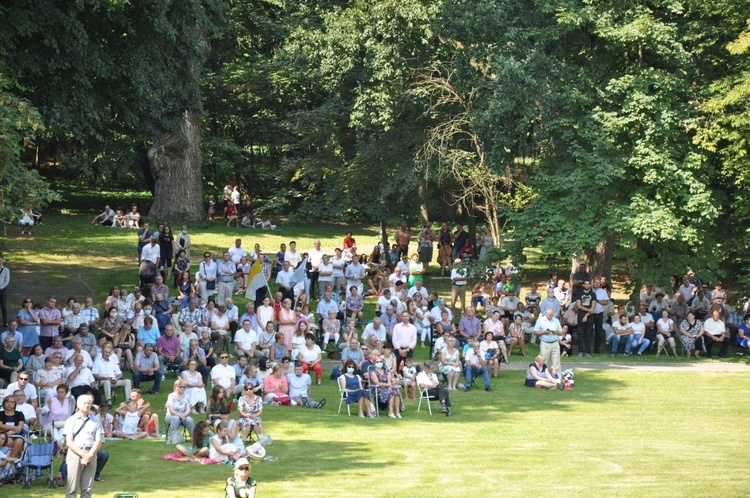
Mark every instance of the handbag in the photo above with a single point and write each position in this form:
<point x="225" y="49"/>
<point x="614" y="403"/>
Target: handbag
<point x="283" y="399"/>
<point x="209" y="285"/>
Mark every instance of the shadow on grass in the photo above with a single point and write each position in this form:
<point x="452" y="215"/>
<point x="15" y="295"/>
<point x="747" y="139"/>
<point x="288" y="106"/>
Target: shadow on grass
<point x="131" y="460"/>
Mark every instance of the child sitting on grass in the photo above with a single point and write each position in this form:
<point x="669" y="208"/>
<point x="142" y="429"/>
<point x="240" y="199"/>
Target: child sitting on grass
<point x="130" y="422"/>
<point x="108" y="422"/>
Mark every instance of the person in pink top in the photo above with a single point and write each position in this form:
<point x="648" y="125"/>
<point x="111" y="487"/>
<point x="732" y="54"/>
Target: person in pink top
<point x="59" y="411"/>
<point x="404" y="339"/>
<point x="276" y="388"/>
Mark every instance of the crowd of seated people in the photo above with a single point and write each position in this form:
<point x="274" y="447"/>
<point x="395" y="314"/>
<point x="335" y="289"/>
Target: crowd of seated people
<point x="191" y="326"/>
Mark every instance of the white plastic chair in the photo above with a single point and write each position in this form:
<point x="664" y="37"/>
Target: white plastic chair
<point x="424" y="394"/>
<point x="342" y="396"/>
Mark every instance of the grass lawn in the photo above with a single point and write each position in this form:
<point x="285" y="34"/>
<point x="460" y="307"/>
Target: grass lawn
<point x="616" y="434"/>
<point x="619" y="433"/>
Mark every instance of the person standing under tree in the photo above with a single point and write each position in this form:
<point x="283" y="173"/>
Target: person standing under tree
<point x="424" y="242"/>
<point x="586" y="305"/>
<point x="83" y="437"/>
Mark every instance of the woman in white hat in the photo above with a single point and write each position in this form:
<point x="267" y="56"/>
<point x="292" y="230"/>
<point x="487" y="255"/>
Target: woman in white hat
<point x="241" y="484"/>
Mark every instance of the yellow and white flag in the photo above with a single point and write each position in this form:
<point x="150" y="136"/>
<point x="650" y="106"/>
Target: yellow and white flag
<point x="255" y="280"/>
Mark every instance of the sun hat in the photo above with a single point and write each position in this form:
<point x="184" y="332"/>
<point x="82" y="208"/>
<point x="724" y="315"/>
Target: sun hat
<point x="239" y="463"/>
<point x="256" y="451"/>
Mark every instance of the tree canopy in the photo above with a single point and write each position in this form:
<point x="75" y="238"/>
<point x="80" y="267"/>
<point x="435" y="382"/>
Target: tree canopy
<point x="592" y="129"/>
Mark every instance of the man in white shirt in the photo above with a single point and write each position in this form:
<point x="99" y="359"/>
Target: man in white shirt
<point x="237" y="252"/>
<point x="404" y="339"/>
<point x="527" y="319"/>
<point x="223" y="375"/>
<point x="375" y="328"/>
<point x="403" y="265"/>
<point x="325" y="305"/>
<point x="509" y="305"/>
<point x="648" y="295"/>
<point x="688" y="290"/>
<point x="383" y="302"/>
<point x="339" y="264"/>
<point x="437" y="310"/>
<point x="245" y="341"/>
<point x="476" y="365"/>
<point x="325" y="274"/>
<point x="621" y="333"/>
<point x="647" y="319"/>
<point x="354" y="273"/>
<point x="458" y="283"/>
<point x="715" y="331"/>
<point x="396" y="276"/>
<point x="601" y="301"/>
<point x="78" y="350"/>
<point x="29" y="411"/>
<point x="428" y="380"/>
<point x="24" y="384"/>
<point x="418" y="288"/>
<point x="315" y="257"/>
<point x="399" y="294"/>
<point x="151" y="252"/>
<point x="107" y="371"/>
<point x="81" y="380"/>
<point x="283" y="280"/>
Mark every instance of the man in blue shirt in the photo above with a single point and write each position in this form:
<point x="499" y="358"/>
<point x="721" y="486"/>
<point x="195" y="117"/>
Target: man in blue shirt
<point x="148" y="334"/>
<point x="548" y="329"/>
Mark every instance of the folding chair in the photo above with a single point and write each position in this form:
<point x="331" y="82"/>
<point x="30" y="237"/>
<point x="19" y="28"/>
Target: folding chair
<point x="342" y="397"/>
<point x="373" y="390"/>
<point x="424" y="394"/>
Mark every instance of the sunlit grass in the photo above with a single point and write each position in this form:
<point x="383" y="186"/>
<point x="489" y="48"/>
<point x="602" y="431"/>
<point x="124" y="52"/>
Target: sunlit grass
<point x="617" y="434"/>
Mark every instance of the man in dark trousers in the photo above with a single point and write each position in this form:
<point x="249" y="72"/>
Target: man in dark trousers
<point x="585" y="304"/>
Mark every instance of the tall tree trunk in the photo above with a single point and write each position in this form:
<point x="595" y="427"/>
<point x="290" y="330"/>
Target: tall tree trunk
<point x="472" y="225"/>
<point x="384" y="239"/>
<point x="141" y="159"/>
<point x="600" y="258"/>
<point x="176" y="166"/>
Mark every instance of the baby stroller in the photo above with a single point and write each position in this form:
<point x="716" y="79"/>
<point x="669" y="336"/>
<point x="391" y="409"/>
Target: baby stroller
<point x="37" y="457"/>
<point x="147" y="273"/>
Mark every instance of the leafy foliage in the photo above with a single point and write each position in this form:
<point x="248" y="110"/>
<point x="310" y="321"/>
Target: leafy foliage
<point x="20" y="187"/>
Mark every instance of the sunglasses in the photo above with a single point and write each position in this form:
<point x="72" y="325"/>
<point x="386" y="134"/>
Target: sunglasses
<point x="23" y="378"/>
<point x="248" y="389"/>
<point x="245" y="468"/>
<point x="223" y="357"/>
<point x="180" y="387"/>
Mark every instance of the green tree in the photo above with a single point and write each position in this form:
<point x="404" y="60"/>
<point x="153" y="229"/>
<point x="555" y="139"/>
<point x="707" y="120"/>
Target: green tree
<point x="116" y="73"/>
<point x="20" y="187"/>
<point x="604" y="89"/>
<point x="725" y="118"/>
<point x="358" y="123"/>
